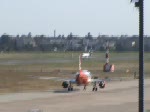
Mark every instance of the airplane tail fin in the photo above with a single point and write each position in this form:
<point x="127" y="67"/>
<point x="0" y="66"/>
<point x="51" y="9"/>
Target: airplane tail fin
<point x="80" y="61"/>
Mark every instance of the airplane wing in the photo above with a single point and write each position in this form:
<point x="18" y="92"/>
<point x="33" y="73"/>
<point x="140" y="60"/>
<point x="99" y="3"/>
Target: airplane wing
<point x="96" y="80"/>
<point x="73" y="81"/>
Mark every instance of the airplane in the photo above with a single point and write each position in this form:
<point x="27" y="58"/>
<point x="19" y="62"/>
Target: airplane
<point x="83" y="77"/>
<point x="86" y="55"/>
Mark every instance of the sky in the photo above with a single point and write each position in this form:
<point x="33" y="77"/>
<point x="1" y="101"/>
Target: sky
<point x="105" y="17"/>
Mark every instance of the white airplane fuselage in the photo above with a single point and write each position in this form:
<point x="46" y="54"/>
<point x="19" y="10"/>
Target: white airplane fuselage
<point x="85" y="55"/>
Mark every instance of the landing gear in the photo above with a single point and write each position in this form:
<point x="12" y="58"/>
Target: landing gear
<point x="70" y="87"/>
<point x="94" y="89"/>
<point x="84" y="87"/>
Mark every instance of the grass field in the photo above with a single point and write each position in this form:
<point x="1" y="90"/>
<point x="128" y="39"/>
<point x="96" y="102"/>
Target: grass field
<point x="18" y="71"/>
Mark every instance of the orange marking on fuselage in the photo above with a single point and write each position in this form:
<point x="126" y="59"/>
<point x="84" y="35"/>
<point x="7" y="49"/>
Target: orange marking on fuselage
<point x="82" y="79"/>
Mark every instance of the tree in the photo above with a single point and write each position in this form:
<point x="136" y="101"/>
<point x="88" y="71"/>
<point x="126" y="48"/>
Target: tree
<point x="7" y="43"/>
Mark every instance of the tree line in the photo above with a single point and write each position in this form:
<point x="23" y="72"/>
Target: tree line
<point x="70" y="43"/>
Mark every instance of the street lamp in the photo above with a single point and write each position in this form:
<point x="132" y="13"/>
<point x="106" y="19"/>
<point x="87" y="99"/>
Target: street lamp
<point x="140" y="5"/>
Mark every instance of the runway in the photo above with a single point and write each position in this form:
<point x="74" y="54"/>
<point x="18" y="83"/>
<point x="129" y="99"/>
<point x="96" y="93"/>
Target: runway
<point x="118" y="96"/>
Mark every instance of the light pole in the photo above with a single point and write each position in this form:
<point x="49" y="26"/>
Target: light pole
<point x="141" y="56"/>
<point x="140" y="5"/>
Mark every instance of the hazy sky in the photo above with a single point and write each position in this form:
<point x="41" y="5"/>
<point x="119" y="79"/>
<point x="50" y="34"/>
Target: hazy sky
<point x="112" y="17"/>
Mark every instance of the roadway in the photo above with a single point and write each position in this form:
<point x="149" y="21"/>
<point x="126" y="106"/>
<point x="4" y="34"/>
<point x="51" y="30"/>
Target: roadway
<point x="118" y="96"/>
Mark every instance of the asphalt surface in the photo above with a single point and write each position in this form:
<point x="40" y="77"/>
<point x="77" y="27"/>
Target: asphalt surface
<point x="118" y="96"/>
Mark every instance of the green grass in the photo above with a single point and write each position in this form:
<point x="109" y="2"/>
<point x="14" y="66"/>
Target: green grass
<point x="16" y="77"/>
<point x="122" y="61"/>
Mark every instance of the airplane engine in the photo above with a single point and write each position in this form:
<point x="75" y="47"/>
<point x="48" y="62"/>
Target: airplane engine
<point x="102" y="84"/>
<point x="65" y="84"/>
